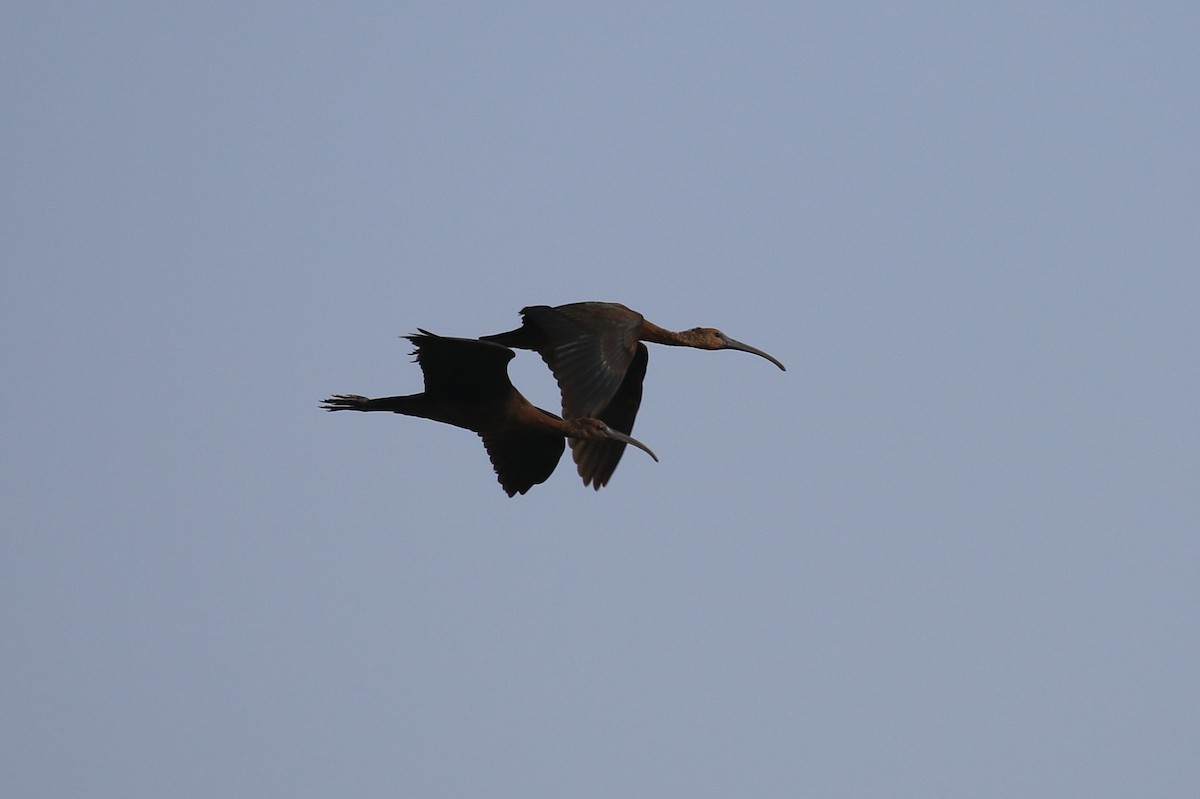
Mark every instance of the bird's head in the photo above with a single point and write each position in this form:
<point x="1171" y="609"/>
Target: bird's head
<point x="595" y="430"/>
<point x="709" y="338"/>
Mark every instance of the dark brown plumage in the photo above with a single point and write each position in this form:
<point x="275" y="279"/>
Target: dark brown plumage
<point x="597" y="355"/>
<point x="467" y="385"/>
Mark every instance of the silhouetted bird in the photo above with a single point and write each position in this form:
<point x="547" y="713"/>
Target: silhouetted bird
<point x="596" y="353"/>
<point x="467" y="385"/>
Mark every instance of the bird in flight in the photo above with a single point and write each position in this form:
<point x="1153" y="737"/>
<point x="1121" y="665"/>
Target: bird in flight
<point x="467" y="385"/>
<point x="597" y="353"/>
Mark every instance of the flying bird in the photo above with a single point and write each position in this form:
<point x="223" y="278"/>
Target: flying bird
<point x="597" y="355"/>
<point x="467" y="385"/>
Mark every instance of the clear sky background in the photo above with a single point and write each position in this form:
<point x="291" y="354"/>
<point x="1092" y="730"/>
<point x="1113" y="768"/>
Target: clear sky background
<point x="952" y="551"/>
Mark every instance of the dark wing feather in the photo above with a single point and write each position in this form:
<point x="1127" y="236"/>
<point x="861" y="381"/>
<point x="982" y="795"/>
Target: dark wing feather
<point x="525" y="337"/>
<point x="597" y="460"/>
<point x="591" y="346"/>
<point x="522" y="458"/>
<point x="463" y="369"/>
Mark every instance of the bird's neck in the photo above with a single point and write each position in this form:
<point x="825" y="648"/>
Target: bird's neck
<point x="660" y="335"/>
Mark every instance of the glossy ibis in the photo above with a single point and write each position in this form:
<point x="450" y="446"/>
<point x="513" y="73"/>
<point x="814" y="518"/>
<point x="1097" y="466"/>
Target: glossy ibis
<point x="596" y="353"/>
<point x="467" y="385"/>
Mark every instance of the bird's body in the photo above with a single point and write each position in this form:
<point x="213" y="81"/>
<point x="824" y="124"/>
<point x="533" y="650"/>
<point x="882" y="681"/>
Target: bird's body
<point x="597" y="355"/>
<point x="467" y="385"/>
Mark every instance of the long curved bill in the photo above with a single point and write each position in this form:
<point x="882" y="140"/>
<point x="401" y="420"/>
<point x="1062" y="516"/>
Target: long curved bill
<point x="624" y="439"/>
<point x="733" y="344"/>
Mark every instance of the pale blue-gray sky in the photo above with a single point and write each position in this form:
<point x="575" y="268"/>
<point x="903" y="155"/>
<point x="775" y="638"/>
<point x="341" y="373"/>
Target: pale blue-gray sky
<point x="951" y="552"/>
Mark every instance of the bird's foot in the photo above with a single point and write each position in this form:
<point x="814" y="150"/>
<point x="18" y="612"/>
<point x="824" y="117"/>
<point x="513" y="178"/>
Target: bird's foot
<point x="344" y="402"/>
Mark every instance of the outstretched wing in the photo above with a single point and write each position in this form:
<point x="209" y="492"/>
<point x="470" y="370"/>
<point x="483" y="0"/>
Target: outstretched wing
<point x="464" y="369"/>
<point x="522" y="458"/>
<point x="590" y="347"/>
<point x="597" y="460"/>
